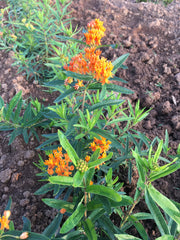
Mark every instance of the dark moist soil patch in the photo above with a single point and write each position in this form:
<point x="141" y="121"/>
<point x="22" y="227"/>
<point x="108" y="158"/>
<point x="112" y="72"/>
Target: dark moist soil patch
<point x="151" y="34"/>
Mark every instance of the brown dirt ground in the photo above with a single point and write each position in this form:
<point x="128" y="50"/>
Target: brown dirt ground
<point x="151" y="34"/>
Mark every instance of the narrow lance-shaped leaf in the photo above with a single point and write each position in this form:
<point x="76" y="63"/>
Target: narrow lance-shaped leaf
<point x="166" y="204"/>
<point x="68" y="147"/>
<point x="58" y="204"/>
<point x="12" y="104"/>
<point x="104" y="191"/>
<point x="61" y="180"/>
<point x="74" y="219"/>
<point x="90" y="229"/>
<point x="156" y="213"/>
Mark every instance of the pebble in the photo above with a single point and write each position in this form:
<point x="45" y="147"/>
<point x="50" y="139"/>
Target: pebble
<point x="3" y="159"/>
<point x="166" y="108"/>
<point x="5" y="175"/>
<point x="26" y="194"/>
<point x="20" y="163"/>
<point x="6" y="189"/>
<point x="24" y="202"/>
<point x="176" y="121"/>
<point x="167" y="70"/>
<point x="177" y="76"/>
<point x="145" y="57"/>
<point x="29" y="154"/>
<point x="4" y="86"/>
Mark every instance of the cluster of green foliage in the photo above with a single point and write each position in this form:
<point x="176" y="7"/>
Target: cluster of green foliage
<point x="93" y="110"/>
<point x="38" y="33"/>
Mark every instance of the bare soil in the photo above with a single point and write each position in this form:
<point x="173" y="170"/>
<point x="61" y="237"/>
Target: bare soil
<point x="151" y="34"/>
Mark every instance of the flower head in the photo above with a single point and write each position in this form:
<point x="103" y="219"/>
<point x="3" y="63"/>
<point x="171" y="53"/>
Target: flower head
<point x="59" y="163"/>
<point x="63" y="210"/>
<point x="4" y="220"/>
<point x="101" y="144"/>
<point x="95" y="32"/>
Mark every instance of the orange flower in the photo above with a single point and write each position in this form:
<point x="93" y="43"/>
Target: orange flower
<point x="59" y="163"/>
<point x="79" y="84"/>
<point x="103" y="144"/>
<point x="90" y="62"/>
<point x="95" y="32"/>
<point x="91" y="183"/>
<point x="4" y="220"/>
<point x="87" y="158"/>
<point x="63" y="210"/>
<point x="68" y="80"/>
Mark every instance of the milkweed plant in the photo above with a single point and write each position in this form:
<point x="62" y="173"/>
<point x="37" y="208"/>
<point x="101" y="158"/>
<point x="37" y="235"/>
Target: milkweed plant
<point x="94" y="136"/>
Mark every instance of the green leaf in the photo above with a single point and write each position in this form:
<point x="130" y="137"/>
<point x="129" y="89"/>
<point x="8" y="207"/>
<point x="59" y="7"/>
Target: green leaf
<point x="104" y="191"/>
<point x="79" y="76"/>
<point x="44" y="189"/>
<point x="26" y="224"/>
<point x="119" y="61"/>
<point x="111" y="87"/>
<point x="68" y="147"/>
<point x="75" y="235"/>
<point x="126" y="237"/>
<point x="54" y="226"/>
<point x="74" y="219"/>
<point x="78" y="178"/>
<point x="158" y="152"/>
<point x="10" y="235"/>
<point x="104" y="104"/>
<point x="166" y="237"/>
<point x="159" y="174"/>
<point x="63" y="95"/>
<point x="117" y="79"/>
<point x="99" y="161"/>
<point x="61" y="180"/>
<point x="1" y="102"/>
<point x="139" y="227"/>
<point x="166" y="204"/>
<point x="12" y="105"/>
<point x="156" y="213"/>
<point x="90" y="229"/>
<point x="88" y="175"/>
<point x="58" y="204"/>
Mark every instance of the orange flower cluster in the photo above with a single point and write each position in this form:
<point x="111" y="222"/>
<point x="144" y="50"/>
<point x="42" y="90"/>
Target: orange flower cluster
<point x="90" y="62"/>
<point x="63" y="210"/>
<point x="102" y="144"/>
<point x="4" y="220"/>
<point x="59" y="163"/>
<point x="95" y="32"/>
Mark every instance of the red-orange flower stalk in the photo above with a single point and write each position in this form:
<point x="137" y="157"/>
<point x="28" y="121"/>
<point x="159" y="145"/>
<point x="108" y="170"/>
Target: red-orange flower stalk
<point x="90" y="62"/>
<point x="102" y="144"/>
<point x="4" y="221"/>
<point x="59" y="163"/>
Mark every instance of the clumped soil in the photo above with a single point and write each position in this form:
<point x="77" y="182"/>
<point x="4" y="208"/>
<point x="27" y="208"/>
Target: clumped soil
<point x="151" y="34"/>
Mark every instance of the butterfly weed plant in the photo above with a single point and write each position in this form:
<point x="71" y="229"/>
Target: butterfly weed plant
<point x="33" y="30"/>
<point x="94" y="136"/>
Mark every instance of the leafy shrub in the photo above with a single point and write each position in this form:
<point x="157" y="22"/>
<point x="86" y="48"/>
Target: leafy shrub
<point x="94" y="137"/>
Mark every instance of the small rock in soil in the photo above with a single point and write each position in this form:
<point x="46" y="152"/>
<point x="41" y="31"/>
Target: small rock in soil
<point x="20" y="163"/>
<point x="166" y="108"/>
<point x="3" y="158"/>
<point x="26" y="194"/>
<point x="29" y="154"/>
<point x="5" y="175"/>
<point x="24" y="202"/>
<point x="176" y="121"/>
<point x="177" y="76"/>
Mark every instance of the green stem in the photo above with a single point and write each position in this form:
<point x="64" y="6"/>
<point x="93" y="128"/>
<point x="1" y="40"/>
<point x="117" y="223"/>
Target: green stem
<point x="129" y="212"/>
<point x="16" y="237"/>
